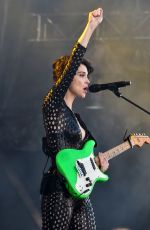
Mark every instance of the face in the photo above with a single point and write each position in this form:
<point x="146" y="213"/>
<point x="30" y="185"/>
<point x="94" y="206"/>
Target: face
<point x="80" y="83"/>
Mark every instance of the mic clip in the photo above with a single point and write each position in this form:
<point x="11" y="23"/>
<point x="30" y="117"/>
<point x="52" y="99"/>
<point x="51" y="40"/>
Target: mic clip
<point x="116" y="91"/>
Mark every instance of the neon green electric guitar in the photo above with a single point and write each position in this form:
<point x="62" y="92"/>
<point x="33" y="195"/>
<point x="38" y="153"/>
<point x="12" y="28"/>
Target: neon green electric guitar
<point x="79" y="169"/>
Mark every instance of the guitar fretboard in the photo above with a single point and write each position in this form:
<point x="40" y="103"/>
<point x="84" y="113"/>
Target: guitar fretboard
<point x="117" y="150"/>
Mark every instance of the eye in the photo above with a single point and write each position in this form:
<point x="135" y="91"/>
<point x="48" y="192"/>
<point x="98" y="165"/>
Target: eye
<point x="82" y="75"/>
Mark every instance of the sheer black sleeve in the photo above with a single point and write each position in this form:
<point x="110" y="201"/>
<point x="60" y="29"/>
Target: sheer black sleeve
<point x="58" y="91"/>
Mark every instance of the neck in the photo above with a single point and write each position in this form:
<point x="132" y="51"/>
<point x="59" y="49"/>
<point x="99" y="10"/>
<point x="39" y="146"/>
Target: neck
<point x="69" y="99"/>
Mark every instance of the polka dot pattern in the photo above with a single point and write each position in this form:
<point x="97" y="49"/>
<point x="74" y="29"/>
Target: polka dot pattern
<point x="60" y="212"/>
<point x="62" y="129"/>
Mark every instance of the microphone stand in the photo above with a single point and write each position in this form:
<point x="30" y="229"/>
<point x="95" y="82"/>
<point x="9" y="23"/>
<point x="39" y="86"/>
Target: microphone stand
<point x="116" y="91"/>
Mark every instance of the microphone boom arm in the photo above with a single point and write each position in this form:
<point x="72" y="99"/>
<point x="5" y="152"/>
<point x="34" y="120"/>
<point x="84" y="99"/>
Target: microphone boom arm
<point x="119" y="94"/>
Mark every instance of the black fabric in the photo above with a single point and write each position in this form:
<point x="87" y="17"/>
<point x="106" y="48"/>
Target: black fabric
<point x="88" y="136"/>
<point x="52" y="182"/>
<point x="63" y="131"/>
<point x="62" y="213"/>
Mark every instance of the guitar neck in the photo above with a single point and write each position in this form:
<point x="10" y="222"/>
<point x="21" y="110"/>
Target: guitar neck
<point x="117" y="150"/>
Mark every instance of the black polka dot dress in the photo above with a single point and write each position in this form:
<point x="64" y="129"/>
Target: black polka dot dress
<point x="60" y="210"/>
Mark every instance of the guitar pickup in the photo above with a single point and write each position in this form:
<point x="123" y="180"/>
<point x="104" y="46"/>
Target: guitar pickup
<point x="92" y="163"/>
<point x="82" y="168"/>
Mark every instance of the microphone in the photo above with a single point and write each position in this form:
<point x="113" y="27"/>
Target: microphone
<point x="110" y="86"/>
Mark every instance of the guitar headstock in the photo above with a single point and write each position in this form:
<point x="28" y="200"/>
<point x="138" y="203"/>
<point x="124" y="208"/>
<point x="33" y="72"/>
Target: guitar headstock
<point x="138" y="139"/>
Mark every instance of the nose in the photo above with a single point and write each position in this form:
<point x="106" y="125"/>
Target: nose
<point x="87" y="80"/>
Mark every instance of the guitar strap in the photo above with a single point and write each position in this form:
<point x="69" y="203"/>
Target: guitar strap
<point x="88" y="133"/>
<point x="46" y="152"/>
<point x="45" y="166"/>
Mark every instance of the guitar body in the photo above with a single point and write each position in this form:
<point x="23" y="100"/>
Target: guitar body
<point x="79" y="169"/>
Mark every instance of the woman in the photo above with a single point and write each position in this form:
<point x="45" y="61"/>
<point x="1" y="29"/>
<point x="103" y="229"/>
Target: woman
<point x="65" y="129"/>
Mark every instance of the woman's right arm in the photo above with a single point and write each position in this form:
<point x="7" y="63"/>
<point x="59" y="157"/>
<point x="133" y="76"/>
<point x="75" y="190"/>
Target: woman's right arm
<point x="59" y="90"/>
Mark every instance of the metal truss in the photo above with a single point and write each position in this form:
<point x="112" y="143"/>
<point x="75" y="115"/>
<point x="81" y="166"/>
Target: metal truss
<point x="117" y="25"/>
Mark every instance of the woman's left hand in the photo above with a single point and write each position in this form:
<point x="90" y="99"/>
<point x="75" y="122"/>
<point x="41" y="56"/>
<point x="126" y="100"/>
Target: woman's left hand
<point x="102" y="162"/>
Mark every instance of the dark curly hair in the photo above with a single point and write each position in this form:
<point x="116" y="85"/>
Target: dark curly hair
<point x="60" y="64"/>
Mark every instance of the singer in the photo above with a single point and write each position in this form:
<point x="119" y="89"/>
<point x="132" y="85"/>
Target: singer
<point x="65" y="129"/>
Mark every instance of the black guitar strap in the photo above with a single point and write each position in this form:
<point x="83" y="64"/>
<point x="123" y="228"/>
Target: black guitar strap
<point x="46" y="152"/>
<point x="45" y="165"/>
